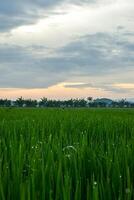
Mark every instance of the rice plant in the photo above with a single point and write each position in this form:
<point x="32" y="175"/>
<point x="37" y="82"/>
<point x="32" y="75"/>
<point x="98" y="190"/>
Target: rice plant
<point x="71" y="154"/>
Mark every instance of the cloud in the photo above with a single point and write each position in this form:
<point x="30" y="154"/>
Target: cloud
<point x="77" y="85"/>
<point x="17" y="13"/>
<point x="100" y="53"/>
<point x="90" y="60"/>
<point x="22" y="67"/>
<point x="88" y="42"/>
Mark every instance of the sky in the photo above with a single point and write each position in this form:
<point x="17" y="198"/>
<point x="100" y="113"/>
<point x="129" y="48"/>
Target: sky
<point x="66" y="48"/>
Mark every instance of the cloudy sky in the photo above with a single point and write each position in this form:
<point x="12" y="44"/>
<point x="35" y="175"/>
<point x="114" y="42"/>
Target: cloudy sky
<point x="67" y="48"/>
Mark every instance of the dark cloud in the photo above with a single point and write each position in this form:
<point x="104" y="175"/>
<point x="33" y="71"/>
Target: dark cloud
<point x="21" y="67"/>
<point x="16" y="13"/>
<point x="78" y="85"/>
<point x="22" y="12"/>
<point x="118" y="90"/>
<point x="98" y="55"/>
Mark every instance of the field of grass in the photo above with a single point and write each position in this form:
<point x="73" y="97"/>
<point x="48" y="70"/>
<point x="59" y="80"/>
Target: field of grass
<point x="71" y="154"/>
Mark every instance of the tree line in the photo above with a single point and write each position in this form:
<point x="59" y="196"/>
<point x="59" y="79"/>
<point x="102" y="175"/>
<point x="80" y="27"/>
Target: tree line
<point x="72" y="103"/>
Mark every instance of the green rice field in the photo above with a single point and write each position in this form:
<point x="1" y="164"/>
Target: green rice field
<point x="66" y="154"/>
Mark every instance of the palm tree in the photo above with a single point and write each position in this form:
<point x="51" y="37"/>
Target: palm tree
<point x="43" y="102"/>
<point x="20" y="102"/>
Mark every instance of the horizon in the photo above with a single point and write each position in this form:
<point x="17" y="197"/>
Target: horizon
<point x="131" y="100"/>
<point x="67" y="49"/>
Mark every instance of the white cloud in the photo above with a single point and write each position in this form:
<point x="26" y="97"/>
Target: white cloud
<point x="73" y="21"/>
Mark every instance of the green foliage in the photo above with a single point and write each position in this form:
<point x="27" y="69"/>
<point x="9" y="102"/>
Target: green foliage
<point x="70" y="154"/>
